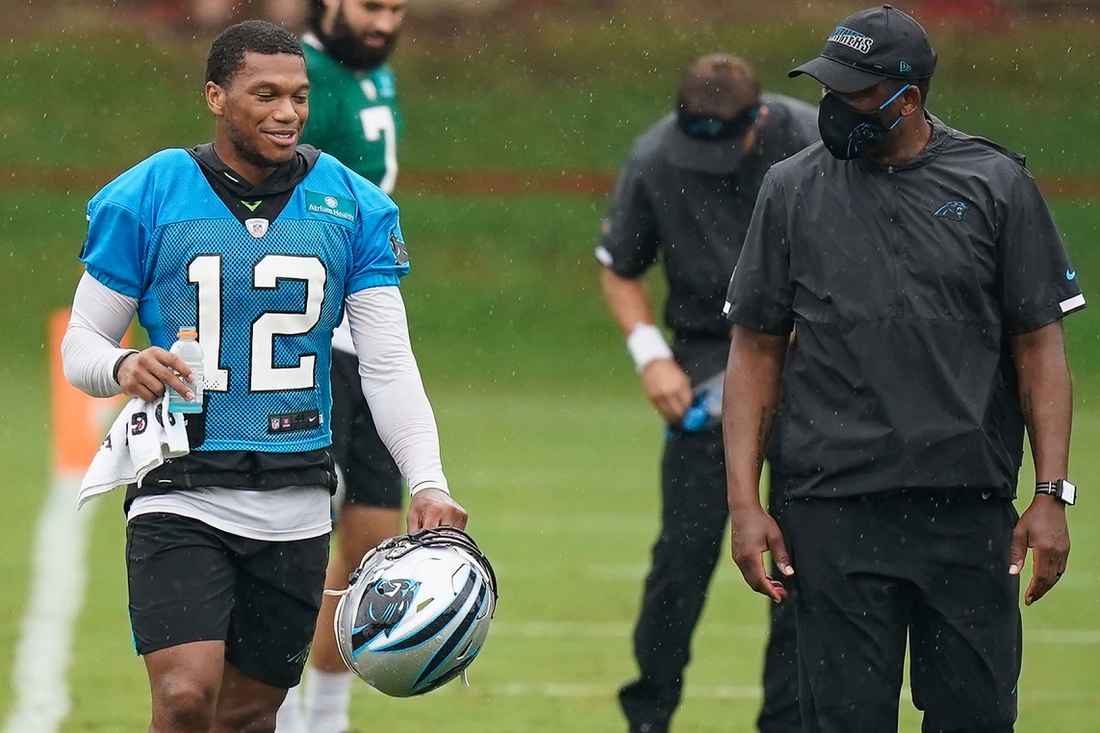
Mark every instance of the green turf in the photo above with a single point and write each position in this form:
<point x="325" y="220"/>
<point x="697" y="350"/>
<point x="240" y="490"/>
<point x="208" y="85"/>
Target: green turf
<point x="545" y="435"/>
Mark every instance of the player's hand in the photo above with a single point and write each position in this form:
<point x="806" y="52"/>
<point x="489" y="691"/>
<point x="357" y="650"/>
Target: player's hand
<point x="1043" y="528"/>
<point x="668" y="388"/>
<point x="752" y="533"/>
<point x="434" y="507"/>
<point x="146" y="373"/>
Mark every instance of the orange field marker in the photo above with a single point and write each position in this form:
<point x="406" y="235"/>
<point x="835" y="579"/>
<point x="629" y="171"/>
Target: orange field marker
<point x="77" y="418"/>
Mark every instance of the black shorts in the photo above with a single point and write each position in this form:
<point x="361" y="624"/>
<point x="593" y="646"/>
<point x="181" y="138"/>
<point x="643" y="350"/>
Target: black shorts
<point x="925" y="567"/>
<point x="371" y="478"/>
<point x="190" y="582"/>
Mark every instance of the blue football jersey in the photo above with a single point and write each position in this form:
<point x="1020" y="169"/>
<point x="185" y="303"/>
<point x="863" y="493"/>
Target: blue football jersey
<point x="264" y="295"/>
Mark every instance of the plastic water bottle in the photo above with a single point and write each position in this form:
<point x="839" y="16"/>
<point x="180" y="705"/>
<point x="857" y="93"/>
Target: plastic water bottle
<point x="706" y="408"/>
<point x="188" y="348"/>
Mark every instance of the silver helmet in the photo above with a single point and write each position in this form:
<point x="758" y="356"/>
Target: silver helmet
<point x="416" y="611"/>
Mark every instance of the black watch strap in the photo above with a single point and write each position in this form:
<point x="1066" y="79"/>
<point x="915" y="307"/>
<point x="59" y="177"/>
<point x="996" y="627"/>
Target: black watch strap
<point x="118" y="364"/>
<point x="1061" y="489"/>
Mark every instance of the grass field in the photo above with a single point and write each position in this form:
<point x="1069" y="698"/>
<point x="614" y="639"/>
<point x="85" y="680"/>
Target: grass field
<point x="546" y="437"/>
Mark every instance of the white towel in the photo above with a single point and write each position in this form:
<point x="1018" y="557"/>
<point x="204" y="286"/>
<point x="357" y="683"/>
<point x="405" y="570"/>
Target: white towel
<point x="141" y="438"/>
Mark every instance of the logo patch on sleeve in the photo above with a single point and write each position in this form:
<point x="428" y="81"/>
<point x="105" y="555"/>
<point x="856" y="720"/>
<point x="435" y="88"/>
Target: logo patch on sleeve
<point x="398" y="247"/>
<point x="323" y="203"/>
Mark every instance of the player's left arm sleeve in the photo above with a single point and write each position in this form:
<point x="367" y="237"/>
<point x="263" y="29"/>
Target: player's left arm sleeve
<point x="379" y="257"/>
<point x="1038" y="284"/>
<point x="90" y="349"/>
<point x="393" y="387"/>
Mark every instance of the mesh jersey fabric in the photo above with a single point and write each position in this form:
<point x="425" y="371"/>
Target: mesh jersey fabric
<point x="266" y="305"/>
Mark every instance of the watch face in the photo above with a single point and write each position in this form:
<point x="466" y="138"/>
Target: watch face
<point x="1067" y="492"/>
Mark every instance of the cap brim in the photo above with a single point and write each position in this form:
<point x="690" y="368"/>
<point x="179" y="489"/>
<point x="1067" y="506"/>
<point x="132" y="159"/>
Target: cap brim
<point x="836" y="76"/>
<point x="702" y="156"/>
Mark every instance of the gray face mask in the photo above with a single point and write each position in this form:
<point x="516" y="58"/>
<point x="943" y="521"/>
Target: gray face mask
<point x="849" y="134"/>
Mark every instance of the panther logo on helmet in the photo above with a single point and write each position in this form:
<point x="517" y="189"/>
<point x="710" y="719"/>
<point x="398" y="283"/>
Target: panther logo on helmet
<point x="382" y="606"/>
<point x="416" y="611"/>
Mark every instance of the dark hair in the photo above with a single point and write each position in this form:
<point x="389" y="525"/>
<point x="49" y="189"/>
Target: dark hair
<point x="922" y="86"/>
<point x="252" y="36"/>
<point x="718" y="85"/>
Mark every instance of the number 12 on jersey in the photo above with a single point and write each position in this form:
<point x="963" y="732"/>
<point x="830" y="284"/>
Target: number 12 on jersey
<point x="205" y="272"/>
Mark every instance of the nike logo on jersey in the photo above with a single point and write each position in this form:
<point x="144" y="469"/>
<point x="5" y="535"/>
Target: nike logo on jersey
<point x="251" y="205"/>
<point x="1071" y="274"/>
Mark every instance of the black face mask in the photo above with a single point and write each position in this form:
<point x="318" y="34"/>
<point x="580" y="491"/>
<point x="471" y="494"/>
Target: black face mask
<point x="849" y="134"/>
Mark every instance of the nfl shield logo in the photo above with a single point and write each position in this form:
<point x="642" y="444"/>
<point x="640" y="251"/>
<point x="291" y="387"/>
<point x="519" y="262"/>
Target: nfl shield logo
<point x="256" y="227"/>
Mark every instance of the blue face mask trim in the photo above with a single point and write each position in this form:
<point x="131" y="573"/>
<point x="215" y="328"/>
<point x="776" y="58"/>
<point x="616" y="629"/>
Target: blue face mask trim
<point x="890" y="101"/>
<point x="846" y="132"/>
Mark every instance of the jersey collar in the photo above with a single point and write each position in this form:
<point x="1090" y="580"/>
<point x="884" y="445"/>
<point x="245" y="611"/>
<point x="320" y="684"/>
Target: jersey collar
<point x="282" y="179"/>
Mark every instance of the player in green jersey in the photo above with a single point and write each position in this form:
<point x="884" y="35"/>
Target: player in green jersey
<point x="354" y="117"/>
<point x="353" y="105"/>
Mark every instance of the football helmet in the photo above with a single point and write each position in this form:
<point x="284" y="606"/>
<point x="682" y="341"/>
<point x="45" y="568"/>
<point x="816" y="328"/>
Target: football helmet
<point x="416" y="611"/>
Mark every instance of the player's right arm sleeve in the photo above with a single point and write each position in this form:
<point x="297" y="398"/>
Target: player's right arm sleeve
<point x="113" y="253"/>
<point x="392" y="385"/>
<point x="90" y="348"/>
<point x="630" y="235"/>
<point x="760" y="294"/>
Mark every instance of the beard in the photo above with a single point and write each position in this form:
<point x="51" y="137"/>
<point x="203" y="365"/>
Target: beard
<point x="348" y="48"/>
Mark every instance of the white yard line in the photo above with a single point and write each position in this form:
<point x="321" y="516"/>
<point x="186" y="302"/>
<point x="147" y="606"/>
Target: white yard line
<point x="40" y="673"/>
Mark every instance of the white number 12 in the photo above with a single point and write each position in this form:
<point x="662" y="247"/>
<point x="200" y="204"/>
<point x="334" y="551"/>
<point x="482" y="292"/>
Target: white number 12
<point x="205" y="272"/>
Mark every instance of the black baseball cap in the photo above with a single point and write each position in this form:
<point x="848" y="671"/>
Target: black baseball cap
<point x="871" y="46"/>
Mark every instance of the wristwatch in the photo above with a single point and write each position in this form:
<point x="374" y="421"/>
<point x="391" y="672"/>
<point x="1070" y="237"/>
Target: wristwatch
<point x="1061" y="489"/>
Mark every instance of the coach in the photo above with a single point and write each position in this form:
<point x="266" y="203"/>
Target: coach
<point x="686" y="196"/>
<point x="926" y="283"/>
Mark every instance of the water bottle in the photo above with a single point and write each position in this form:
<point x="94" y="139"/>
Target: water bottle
<point x="188" y="348"/>
<point x="706" y="407"/>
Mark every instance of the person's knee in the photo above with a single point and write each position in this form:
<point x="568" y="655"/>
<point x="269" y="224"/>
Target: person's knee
<point x="181" y="704"/>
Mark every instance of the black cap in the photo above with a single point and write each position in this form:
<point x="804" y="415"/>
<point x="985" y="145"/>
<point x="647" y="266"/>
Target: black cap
<point x="871" y="46"/>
